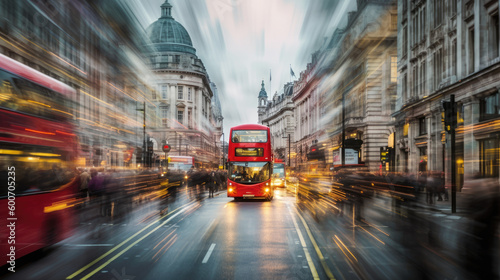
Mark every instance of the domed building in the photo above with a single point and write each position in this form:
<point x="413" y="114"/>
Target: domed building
<point x="183" y="93"/>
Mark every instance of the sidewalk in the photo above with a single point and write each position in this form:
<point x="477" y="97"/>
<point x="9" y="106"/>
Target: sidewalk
<point x="444" y="206"/>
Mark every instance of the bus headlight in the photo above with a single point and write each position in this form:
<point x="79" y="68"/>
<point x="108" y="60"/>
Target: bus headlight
<point x="185" y="177"/>
<point x="230" y="189"/>
<point x="267" y="189"/>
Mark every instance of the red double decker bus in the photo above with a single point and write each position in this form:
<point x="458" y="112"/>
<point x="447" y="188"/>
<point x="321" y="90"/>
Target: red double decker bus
<point x="279" y="173"/>
<point x="250" y="162"/>
<point x="38" y="149"/>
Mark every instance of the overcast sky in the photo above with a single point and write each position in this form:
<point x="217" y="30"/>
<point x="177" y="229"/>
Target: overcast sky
<point x="242" y="41"/>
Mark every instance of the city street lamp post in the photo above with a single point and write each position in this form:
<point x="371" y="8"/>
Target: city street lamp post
<point x="223" y="153"/>
<point x="289" y="148"/>
<point x="450" y="121"/>
<point x="144" y="151"/>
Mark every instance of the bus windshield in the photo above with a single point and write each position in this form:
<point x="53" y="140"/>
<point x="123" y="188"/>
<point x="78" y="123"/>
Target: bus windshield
<point x="279" y="170"/>
<point x="249" y="136"/>
<point x="249" y="172"/>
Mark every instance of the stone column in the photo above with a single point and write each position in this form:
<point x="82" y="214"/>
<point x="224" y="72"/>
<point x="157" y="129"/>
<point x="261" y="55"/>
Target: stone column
<point x="413" y="155"/>
<point x="471" y="145"/>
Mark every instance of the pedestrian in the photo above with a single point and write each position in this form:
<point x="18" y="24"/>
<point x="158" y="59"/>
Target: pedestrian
<point x="84" y="183"/>
<point x="431" y="187"/>
<point x="480" y="254"/>
<point x="441" y="189"/>
<point x="212" y="183"/>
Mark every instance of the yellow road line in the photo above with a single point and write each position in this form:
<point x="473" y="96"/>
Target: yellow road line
<point x="314" y="272"/>
<point x="131" y="245"/>
<point x="115" y="248"/>
<point x="318" y="251"/>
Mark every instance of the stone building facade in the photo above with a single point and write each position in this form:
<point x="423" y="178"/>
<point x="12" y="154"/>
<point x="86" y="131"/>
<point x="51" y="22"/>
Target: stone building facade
<point x="278" y="114"/>
<point x="359" y="75"/>
<point x="184" y="94"/>
<point x="306" y="99"/>
<point x="444" y="48"/>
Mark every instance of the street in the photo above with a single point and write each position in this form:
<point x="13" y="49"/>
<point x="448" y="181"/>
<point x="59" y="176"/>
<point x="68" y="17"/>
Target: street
<point x="219" y="238"/>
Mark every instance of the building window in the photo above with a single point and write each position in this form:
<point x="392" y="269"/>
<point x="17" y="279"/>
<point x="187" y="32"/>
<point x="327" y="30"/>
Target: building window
<point x="422" y="151"/>
<point x="438" y="12"/>
<point x="489" y="157"/>
<point x="454" y="58"/>
<point x="180" y="92"/>
<point x="422" y="165"/>
<point x="405" y="40"/>
<point x="493" y="36"/>
<point x="180" y="116"/>
<point x="422" y="126"/>
<point x="164" y="115"/>
<point x="190" y="118"/>
<point x="422" y="23"/>
<point x="471" y="50"/>
<point x="153" y="94"/>
<point x="423" y="78"/>
<point x="164" y="92"/>
<point x="415" y="30"/>
<point x="394" y="22"/>
<point x="453" y="7"/>
<point x="489" y="107"/>
<point x="394" y="69"/>
<point x="438" y="68"/>
<point x="405" y="87"/>
<point x="415" y="81"/>
<point x="189" y="94"/>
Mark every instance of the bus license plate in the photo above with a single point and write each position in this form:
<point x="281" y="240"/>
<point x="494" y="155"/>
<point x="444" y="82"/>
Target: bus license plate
<point x="248" y="196"/>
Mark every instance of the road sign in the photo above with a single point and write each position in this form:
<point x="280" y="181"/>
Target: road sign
<point x="166" y="148"/>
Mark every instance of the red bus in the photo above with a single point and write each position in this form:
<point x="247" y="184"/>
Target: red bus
<point x="250" y="162"/>
<point x="279" y="175"/>
<point x="38" y="149"/>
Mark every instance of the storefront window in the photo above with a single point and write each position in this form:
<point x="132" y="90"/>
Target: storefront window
<point x="422" y="166"/>
<point x="489" y="158"/>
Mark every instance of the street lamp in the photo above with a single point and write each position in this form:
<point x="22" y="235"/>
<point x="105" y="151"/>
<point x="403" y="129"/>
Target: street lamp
<point x="223" y="153"/>
<point x="144" y="133"/>
<point x="289" y="151"/>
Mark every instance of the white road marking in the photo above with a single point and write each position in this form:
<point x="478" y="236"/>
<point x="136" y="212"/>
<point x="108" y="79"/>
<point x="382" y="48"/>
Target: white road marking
<point x="207" y="256"/>
<point x="89" y="245"/>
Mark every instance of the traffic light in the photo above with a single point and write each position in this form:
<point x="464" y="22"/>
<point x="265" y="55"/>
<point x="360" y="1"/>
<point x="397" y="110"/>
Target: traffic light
<point x="450" y="115"/>
<point x="385" y="154"/>
<point x="150" y="147"/>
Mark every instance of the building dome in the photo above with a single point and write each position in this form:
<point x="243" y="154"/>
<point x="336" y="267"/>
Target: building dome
<point x="167" y="35"/>
<point x="263" y="92"/>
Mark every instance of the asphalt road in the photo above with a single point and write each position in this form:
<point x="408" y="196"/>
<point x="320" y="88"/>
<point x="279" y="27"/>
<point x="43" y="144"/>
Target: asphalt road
<point x="191" y="236"/>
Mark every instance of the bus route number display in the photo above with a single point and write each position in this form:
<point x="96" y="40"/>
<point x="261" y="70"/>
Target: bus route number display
<point x="249" y="152"/>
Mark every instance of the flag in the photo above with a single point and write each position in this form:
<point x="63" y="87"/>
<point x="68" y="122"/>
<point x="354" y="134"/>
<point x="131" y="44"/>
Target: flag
<point x="269" y="75"/>
<point x="291" y="72"/>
